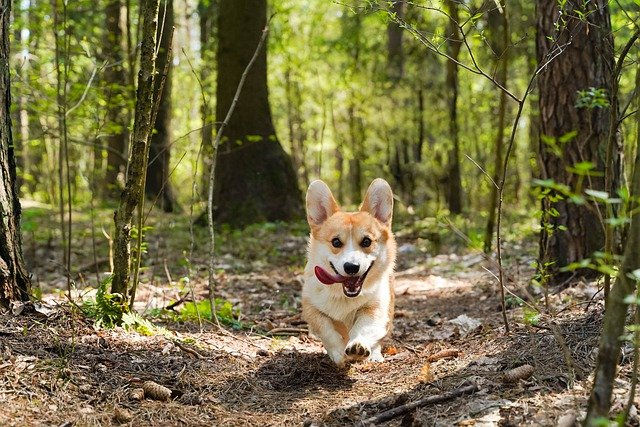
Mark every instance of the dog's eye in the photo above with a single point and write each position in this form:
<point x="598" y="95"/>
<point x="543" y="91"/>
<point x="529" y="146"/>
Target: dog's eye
<point x="336" y="242"/>
<point x="366" y="242"/>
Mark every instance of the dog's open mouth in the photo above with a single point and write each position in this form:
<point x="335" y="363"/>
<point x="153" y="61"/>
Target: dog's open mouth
<point x="351" y="285"/>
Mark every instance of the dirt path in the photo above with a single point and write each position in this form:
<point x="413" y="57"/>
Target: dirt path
<point x="57" y="369"/>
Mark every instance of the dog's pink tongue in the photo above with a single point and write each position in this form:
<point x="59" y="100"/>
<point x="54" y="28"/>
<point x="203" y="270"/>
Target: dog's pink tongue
<point x="326" y="277"/>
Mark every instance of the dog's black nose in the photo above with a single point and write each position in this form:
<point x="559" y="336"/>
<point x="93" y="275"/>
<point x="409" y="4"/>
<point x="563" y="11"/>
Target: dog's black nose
<point x="351" y="269"/>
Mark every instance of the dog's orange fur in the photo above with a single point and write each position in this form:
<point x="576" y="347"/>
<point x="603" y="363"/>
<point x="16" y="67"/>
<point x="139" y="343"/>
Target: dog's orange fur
<point x="348" y="325"/>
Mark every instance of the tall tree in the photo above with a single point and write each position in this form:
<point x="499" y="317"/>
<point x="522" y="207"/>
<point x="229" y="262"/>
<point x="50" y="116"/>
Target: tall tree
<point x="452" y="180"/>
<point x="255" y="180"/>
<point x="574" y="126"/>
<point x="115" y="91"/>
<point x="207" y="14"/>
<point x="616" y="312"/>
<point x="499" y="42"/>
<point x="142" y="126"/>
<point x="157" y="182"/>
<point x="395" y="53"/>
<point x="14" y="281"/>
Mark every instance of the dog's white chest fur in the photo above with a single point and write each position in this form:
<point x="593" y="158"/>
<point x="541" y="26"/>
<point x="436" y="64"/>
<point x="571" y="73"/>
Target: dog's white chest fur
<point x="330" y="300"/>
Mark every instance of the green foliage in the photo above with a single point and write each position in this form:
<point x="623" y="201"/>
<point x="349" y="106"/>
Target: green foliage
<point x="226" y="313"/>
<point x="106" y="309"/>
<point x="530" y="316"/>
<point x="592" y="98"/>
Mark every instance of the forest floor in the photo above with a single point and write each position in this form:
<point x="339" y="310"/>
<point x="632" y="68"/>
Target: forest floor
<point x="57" y="368"/>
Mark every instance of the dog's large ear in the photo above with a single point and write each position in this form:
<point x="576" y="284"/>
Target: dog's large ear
<point x="320" y="203"/>
<point x="379" y="201"/>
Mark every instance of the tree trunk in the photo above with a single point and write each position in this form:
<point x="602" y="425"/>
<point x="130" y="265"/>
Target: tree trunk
<point x="297" y="131"/>
<point x="19" y="114"/>
<point x="157" y="183"/>
<point x="355" y="165"/>
<point x="615" y="314"/>
<point x="499" y="31"/>
<point x="132" y="192"/>
<point x="255" y="180"/>
<point x="115" y="92"/>
<point x="452" y="180"/>
<point x="15" y="284"/>
<point x="395" y="55"/>
<point x="206" y="12"/>
<point x="586" y="62"/>
<point x="339" y="164"/>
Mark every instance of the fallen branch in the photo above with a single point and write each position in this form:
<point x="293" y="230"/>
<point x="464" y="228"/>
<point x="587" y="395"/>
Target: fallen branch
<point x="287" y="331"/>
<point x="187" y="349"/>
<point x="403" y="409"/>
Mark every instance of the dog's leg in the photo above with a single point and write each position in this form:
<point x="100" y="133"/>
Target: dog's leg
<point x="370" y="327"/>
<point x="328" y="330"/>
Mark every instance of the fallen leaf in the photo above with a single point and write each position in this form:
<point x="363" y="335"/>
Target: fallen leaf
<point x="390" y="351"/>
<point x="425" y="373"/>
<point x="444" y="354"/>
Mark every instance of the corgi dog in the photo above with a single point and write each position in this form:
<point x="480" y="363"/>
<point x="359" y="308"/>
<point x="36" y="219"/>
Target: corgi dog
<point x="347" y="296"/>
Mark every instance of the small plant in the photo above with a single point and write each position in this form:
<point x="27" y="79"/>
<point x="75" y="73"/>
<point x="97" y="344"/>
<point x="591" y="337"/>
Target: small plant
<point x="226" y="313"/>
<point x="106" y="309"/>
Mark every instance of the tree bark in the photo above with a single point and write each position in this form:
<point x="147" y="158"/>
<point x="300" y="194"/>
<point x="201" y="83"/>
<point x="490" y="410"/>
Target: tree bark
<point x="452" y="180"/>
<point x="616" y="312"/>
<point x="20" y="117"/>
<point x="115" y="92"/>
<point x="499" y="31"/>
<point x="395" y="54"/>
<point x="157" y="183"/>
<point x="255" y="180"/>
<point x="586" y="62"/>
<point x="15" y="284"/>
<point x="139" y="151"/>
<point x="207" y="14"/>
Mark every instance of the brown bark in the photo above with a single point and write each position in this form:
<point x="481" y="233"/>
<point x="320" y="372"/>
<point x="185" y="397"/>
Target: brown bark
<point x="615" y="315"/>
<point x="139" y="151"/>
<point x="157" y="184"/>
<point x="207" y="15"/>
<point x="15" y="284"/>
<point x="453" y="181"/>
<point x="255" y="180"/>
<point x="297" y="131"/>
<point x="115" y="91"/>
<point x="499" y="32"/>
<point x="339" y="164"/>
<point x="587" y="61"/>
<point x="395" y="54"/>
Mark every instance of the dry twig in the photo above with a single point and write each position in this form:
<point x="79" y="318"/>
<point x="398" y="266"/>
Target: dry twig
<point x="403" y="409"/>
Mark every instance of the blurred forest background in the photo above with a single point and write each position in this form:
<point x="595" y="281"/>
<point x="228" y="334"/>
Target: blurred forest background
<point x="505" y="128"/>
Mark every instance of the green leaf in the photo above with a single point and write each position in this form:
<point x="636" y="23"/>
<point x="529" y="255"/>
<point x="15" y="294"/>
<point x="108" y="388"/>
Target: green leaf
<point x="568" y="136"/>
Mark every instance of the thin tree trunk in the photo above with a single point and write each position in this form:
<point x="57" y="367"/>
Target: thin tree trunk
<point x="339" y="164"/>
<point x="20" y="118"/>
<point x="453" y="180"/>
<point x="395" y="54"/>
<point x="139" y="150"/>
<point x="115" y="90"/>
<point x="206" y="12"/>
<point x="301" y="134"/>
<point x="355" y="169"/>
<point x="499" y="23"/>
<point x="14" y="280"/>
<point x="615" y="315"/>
<point x="158" y="167"/>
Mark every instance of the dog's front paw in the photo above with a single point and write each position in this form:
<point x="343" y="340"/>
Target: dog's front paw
<point x="357" y="349"/>
<point x="338" y="358"/>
